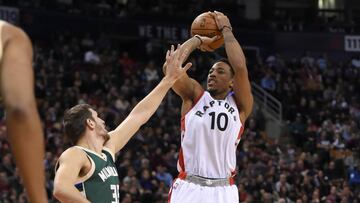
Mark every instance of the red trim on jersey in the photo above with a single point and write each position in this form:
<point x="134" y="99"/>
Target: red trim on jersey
<point x="194" y="103"/>
<point x="182" y="125"/>
<point x="182" y="175"/>
<point x="241" y="132"/>
<point x="181" y="160"/>
<point x="231" y="181"/>
<point x="242" y="124"/>
<point x="170" y="192"/>
<point x="231" y="178"/>
<point x="233" y="174"/>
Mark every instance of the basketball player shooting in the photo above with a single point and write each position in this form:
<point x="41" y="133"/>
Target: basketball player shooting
<point x="22" y="118"/>
<point x="212" y="123"/>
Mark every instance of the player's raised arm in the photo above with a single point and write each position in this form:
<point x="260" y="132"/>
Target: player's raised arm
<point x="146" y="107"/>
<point x="236" y="57"/>
<point x="187" y="88"/>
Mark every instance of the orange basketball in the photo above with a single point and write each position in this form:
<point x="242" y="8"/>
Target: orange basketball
<point x="205" y="25"/>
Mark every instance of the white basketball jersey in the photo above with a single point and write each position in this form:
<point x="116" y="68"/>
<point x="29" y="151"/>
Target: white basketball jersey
<point x="211" y="131"/>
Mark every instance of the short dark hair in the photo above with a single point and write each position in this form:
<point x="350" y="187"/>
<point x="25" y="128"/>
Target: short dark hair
<point x="224" y="60"/>
<point x="75" y="122"/>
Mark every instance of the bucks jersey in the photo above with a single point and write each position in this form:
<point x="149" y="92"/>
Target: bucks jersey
<point x="101" y="184"/>
<point x="210" y="133"/>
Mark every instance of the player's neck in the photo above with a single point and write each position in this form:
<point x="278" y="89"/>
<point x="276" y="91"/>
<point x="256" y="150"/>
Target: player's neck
<point x="219" y="96"/>
<point x="91" y="142"/>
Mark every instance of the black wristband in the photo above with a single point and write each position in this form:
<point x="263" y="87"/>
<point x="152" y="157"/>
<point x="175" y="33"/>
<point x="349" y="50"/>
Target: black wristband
<point x="226" y="26"/>
<point x="197" y="36"/>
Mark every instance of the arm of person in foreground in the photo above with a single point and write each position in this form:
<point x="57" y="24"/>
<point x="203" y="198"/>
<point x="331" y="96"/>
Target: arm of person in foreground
<point x="22" y="117"/>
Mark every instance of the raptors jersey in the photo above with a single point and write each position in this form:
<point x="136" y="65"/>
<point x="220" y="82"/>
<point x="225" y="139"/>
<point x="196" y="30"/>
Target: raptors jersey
<point x="211" y="131"/>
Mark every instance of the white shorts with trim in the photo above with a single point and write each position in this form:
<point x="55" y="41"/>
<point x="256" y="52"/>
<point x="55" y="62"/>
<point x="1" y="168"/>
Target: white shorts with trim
<point x="186" y="192"/>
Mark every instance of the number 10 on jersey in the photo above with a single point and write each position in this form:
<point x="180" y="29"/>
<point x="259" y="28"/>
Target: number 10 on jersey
<point x="221" y="125"/>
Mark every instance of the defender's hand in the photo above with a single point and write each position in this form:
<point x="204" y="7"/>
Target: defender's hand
<point x="173" y="64"/>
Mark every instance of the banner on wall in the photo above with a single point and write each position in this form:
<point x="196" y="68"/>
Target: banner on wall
<point x="164" y="32"/>
<point x="352" y="43"/>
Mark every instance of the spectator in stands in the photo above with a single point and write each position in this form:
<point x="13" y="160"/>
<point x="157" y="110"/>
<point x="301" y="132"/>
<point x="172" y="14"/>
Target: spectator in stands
<point x="163" y="176"/>
<point x="322" y="61"/>
<point x="355" y="61"/>
<point x="268" y="83"/>
<point x="354" y="175"/>
<point x="282" y="183"/>
<point x="307" y="60"/>
<point x="92" y="57"/>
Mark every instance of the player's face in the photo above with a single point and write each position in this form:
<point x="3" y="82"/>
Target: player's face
<point x="100" y="127"/>
<point x="220" y="78"/>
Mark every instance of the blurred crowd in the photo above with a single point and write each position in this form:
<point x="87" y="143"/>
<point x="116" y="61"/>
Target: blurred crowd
<point x="316" y="159"/>
<point x="272" y="18"/>
<point x="121" y="8"/>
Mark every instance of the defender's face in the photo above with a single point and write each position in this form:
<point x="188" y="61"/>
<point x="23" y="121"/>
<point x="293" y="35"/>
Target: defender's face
<point x="220" y="78"/>
<point x="100" y="127"/>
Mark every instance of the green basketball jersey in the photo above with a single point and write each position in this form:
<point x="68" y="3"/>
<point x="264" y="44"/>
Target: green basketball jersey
<point x="103" y="184"/>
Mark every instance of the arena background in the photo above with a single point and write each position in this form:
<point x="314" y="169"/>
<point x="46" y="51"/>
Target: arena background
<point x="301" y="142"/>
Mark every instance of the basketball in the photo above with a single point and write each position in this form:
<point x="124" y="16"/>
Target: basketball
<point x="205" y="25"/>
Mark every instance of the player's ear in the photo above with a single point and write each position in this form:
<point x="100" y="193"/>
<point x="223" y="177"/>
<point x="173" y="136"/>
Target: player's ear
<point x="231" y="83"/>
<point x="90" y="123"/>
